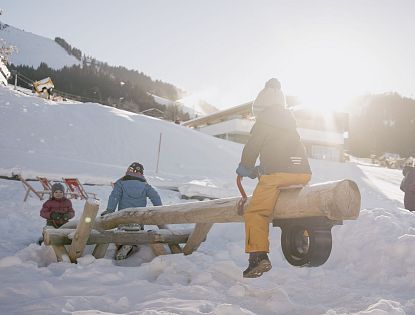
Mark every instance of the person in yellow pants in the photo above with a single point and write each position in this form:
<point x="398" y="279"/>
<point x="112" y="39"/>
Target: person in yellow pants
<point x="283" y="162"/>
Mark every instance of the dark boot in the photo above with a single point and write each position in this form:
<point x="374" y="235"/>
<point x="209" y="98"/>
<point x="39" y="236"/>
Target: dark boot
<point x="258" y="264"/>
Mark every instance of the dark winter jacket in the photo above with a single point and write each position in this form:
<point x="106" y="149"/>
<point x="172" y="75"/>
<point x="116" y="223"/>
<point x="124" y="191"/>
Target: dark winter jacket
<point x="274" y="138"/>
<point x="408" y="182"/>
<point x="132" y="192"/>
<point x="57" y="211"/>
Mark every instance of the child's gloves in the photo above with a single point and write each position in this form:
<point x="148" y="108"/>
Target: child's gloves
<point x="106" y="212"/>
<point x="65" y="216"/>
<point x="248" y="172"/>
<point x="55" y="216"/>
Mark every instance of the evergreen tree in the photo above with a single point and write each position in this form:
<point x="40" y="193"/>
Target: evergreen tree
<point x="382" y="123"/>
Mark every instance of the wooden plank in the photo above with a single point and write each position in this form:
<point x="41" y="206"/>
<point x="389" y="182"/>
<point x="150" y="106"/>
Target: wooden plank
<point x="197" y="237"/>
<point x="158" y="249"/>
<point x="60" y="252"/>
<point x="338" y="200"/>
<point x="62" y="237"/>
<point x="83" y="230"/>
<point x="175" y="249"/>
<point x="100" y="250"/>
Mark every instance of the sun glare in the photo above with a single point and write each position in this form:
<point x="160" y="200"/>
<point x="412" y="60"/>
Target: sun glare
<point x="326" y="77"/>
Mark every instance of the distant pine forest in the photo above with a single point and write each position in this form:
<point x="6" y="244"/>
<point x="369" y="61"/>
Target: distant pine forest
<point x="382" y="123"/>
<point x="96" y="81"/>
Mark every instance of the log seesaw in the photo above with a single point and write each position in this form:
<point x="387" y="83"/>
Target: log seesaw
<point x="304" y="214"/>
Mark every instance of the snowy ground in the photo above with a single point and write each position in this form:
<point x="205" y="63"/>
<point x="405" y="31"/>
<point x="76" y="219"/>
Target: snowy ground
<point x="371" y="269"/>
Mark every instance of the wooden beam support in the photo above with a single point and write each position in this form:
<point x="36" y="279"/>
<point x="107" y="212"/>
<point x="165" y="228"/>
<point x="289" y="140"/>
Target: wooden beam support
<point x="63" y="237"/>
<point x="100" y="250"/>
<point x="60" y="252"/>
<point x="158" y="249"/>
<point x="83" y="229"/>
<point x="197" y="237"/>
<point x="175" y="249"/>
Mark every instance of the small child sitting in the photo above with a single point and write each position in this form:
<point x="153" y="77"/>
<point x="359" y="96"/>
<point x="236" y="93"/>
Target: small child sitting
<point x="58" y="209"/>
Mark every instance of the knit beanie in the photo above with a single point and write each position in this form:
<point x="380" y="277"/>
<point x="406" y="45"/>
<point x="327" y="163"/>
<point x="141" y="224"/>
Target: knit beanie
<point x="135" y="169"/>
<point x="270" y="96"/>
<point x="273" y="83"/>
<point x="57" y="186"/>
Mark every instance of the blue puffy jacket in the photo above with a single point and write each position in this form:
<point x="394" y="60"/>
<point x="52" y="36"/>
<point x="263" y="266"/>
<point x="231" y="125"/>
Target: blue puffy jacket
<point x="132" y="192"/>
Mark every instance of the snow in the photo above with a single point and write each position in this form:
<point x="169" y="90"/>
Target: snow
<point x="34" y="49"/>
<point x="371" y="269"/>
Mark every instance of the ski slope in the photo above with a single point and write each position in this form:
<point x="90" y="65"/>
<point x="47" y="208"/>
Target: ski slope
<point x="33" y="49"/>
<point x="371" y="269"/>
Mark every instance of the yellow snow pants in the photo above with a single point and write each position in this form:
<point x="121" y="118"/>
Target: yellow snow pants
<point x="261" y="206"/>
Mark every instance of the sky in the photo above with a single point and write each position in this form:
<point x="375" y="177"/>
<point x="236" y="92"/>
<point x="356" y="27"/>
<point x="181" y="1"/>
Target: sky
<point x="371" y="268"/>
<point x="222" y="51"/>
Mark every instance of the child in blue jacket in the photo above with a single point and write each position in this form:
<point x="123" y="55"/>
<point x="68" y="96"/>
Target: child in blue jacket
<point x="131" y="191"/>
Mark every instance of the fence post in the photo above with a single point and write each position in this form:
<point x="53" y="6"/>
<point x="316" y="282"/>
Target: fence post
<point x="15" y="79"/>
<point x="158" y="153"/>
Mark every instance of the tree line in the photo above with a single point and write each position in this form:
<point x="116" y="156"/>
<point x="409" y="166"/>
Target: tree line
<point x="99" y="82"/>
<point x="77" y="53"/>
<point x="382" y="123"/>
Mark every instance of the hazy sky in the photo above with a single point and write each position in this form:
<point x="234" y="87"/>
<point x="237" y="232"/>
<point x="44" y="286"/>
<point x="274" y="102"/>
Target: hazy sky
<point x="224" y="50"/>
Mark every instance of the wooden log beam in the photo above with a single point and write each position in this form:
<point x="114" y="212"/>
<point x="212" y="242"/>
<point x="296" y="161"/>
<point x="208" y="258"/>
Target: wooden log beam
<point x="63" y="237"/>
<point x="197" y="237"/>
<point x="83" y="229"/>
<point x="175" y="249"/>
<point x="339" y="200"/>
<point x="100" y="250"/>
<point x="60" y="253"/>
<point x="158" y="249"/>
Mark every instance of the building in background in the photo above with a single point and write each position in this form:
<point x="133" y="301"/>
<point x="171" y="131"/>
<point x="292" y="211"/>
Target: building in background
<point x="323" y="134"/>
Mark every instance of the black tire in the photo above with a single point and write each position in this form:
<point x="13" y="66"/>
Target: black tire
<point x="303" y="246"/>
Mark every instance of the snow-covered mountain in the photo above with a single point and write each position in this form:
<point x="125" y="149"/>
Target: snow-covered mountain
<point x="34" y="49"/>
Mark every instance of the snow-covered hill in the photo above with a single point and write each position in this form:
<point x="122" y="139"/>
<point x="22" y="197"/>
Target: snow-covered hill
<point x="79" y="139"/>
<point x="371" y="269"/>
<point x="34" y="49"/>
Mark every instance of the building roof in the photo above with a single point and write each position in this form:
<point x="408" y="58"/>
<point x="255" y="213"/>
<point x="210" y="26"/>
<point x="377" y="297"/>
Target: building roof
<point x="305" y="118"/>
<point x="242" y="110"/>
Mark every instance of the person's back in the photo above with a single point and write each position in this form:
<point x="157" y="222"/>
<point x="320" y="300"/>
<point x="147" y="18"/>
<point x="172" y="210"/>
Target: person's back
<point x="132" y="191"/>
<point x="279" y="146"/>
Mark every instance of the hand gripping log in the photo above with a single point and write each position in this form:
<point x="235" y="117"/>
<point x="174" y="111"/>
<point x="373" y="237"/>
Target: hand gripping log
<point x="241" y="202"/>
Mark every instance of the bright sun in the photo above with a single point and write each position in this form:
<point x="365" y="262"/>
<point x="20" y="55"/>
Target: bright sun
<point x="325" y="78"/>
